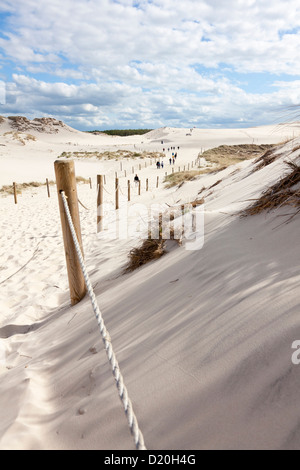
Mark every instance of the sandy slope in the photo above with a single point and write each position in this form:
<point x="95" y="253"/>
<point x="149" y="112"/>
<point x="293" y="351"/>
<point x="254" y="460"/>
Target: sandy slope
<point x="203" y="337"/>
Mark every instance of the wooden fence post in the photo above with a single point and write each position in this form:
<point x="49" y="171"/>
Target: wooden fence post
<point x="66" y="182"/>
<point x="117" y="193"/>
<point x="15" y="193"/>
<point x="100" y="203"/>
<point x="147" y="184"/>
<point x="157" y="179"/>
<point x="128" y="185"/>
<point x="48" y="189"/>
<point x="139" y="187"/>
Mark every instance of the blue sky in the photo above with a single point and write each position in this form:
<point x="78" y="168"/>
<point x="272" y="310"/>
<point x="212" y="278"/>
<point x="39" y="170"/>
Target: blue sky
<point x="102" y="64"/>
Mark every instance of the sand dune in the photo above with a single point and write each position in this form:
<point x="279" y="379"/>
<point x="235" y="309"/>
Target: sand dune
<point x="203" y="337"/>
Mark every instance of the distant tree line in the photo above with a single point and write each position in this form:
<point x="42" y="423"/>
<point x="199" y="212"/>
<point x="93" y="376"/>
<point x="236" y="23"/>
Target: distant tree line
<point x="124" y="132"/>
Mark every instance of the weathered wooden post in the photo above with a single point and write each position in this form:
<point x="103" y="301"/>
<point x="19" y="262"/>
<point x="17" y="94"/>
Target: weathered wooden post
<point x="139" y="187"/>
<point x="157" y="179"/>
<point x="15" y="193"/>
<point x="117" y="193"/>
<point x="147" y="184"/>
<point x="128" y="187"/>
<point x="48" y="189"/>
<point x="100" y="203"/>
<point x="66" y="182"/>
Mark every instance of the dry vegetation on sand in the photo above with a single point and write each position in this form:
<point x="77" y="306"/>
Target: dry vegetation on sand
<point x="108" y="155"/>
<point x="218" y="159"/>
<point x="225" y="155"/>
<point x="285" y="192"/>
<point x="154" y="248"/>
<point x="181" y="177"/>
<point x="9" y="189"/>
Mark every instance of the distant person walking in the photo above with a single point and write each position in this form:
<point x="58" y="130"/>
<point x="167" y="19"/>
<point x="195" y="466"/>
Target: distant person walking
<point x="136" y="180"/>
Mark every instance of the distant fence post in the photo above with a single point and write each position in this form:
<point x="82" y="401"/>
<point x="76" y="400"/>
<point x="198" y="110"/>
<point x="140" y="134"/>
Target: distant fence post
<point x="48" y="189"/>
<point x="66" y="182"/>
<point x="100" y="203"/>
<point x="139" y="187"/>
<point x="157" y="179"/>
<point x="15" y="193"/>
<point x="147" y="184"/>
<point x="117" y="193"/>
<point x="128" y="185"/>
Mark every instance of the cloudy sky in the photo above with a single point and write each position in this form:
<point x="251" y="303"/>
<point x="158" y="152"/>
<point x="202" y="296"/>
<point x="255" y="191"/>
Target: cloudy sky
<point x="103" y="64"/>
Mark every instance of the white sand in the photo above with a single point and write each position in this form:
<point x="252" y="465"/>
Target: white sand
<point x="203" y="338"/>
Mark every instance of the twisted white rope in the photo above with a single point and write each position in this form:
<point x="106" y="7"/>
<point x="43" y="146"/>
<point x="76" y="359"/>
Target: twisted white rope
<point x="132" y="421"/>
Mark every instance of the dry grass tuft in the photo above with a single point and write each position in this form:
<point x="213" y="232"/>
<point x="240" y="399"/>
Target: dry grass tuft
<point x="181" y="177"/>
<point x="148" y="251"/>
<point x="20" y="137"/>
<point x="8" y="189"/>
<point x="154" y="248"/>
<point x="282" y="193"/>
<point x="266" y="159"/>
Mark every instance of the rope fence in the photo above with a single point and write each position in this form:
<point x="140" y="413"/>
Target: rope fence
<point x="168" y="169"/>
<point x="122" y="390"/>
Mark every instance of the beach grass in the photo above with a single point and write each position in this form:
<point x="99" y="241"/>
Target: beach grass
<point x="226" y="155"/>
<point x="110" y="155"/>
<point x="285" y="192"/>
